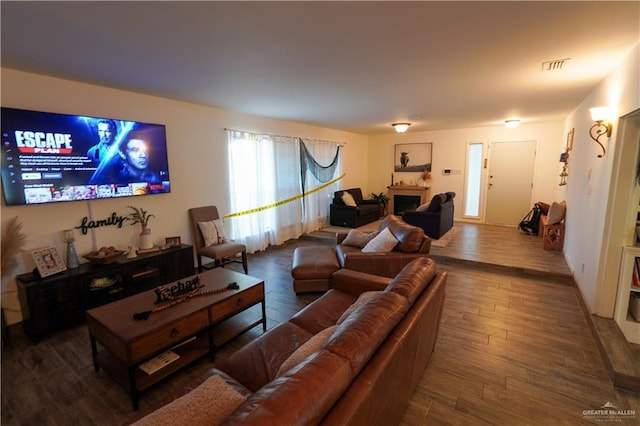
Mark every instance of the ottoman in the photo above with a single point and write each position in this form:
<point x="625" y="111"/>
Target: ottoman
<point x="312" y="268"/>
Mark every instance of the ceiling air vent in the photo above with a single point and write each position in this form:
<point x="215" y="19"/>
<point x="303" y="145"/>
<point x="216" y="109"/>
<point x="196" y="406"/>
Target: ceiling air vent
<point x="555" y="65"/>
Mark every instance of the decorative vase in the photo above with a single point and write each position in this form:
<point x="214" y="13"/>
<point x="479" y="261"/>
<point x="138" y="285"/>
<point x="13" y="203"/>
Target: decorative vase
<point x="146" y="242"/>
<point x="72" y="256"/>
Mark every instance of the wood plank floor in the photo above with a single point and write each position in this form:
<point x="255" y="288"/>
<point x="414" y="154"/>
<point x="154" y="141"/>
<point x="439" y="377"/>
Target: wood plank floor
<point x="514" y="347"/>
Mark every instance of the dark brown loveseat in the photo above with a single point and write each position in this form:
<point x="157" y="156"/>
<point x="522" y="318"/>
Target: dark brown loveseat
<point x="366" y="370"/>
<point x="365" y="211"/>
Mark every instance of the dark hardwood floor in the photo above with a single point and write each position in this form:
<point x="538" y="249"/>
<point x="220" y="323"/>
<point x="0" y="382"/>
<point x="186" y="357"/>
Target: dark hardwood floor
<point x="514" y="347"/>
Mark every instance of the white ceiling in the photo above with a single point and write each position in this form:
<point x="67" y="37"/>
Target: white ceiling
<point x="355" y="66"/>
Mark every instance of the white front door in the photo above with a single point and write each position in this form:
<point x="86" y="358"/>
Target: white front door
<point x="510" y="181"/>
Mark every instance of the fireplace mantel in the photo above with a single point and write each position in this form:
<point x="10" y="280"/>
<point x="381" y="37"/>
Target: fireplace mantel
<point x="421" y="191"/>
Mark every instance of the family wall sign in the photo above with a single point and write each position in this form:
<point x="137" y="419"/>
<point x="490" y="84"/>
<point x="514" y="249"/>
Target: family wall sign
<point x="113" y="220"/>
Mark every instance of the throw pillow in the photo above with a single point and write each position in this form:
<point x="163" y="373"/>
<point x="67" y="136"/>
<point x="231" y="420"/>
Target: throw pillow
<point x="423" y="207"/>
<point x="382" y="243"/>
<point x="556" y="213"/>
<point x="309" y="347"/>
<point x="208" y="404"/>
<point x="348" y="199"/>
<point x="212" y="232"/>
<point x="358" y="239"/>
<point x="361" y="300"/>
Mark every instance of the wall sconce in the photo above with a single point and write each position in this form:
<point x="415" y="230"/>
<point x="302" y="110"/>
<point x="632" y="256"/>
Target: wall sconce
<point x="602" y="127"/>
<point x="401" y="127"/>
<point x="512" y="124"/>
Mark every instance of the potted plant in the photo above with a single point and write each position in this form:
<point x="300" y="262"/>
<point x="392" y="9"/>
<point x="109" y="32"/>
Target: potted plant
<point x="382" y="199"/>
<point x="142" y="216"/>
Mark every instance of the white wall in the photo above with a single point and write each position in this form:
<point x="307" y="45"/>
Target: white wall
<point x="449" y="152"/>
<point x="197" y="164"/>
<point x="588" y="191"/>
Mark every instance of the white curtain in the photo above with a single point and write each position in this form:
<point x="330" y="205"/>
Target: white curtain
<point x="265" y="189"/>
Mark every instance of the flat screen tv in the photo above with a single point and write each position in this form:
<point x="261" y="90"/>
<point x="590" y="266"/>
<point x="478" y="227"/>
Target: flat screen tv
<point x="50" y="158"/>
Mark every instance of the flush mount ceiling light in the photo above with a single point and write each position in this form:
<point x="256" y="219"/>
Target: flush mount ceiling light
<point x="512" y="124"/>
<point x="401" y="127"/>
<point x="602" y="127"/>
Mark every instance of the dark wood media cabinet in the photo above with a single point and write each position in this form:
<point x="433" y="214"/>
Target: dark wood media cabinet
<point x="61" y="300"/>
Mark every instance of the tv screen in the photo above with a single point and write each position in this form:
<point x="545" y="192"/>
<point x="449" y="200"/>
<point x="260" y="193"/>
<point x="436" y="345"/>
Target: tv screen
<point x="49" y="158"/>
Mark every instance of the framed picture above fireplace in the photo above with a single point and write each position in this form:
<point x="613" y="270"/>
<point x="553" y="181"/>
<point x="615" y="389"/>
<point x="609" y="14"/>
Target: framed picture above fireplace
<point x="412" y="157"/>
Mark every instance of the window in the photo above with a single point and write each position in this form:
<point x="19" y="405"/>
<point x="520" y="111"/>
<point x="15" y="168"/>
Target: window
<point x="473" y="181"/>
<point x="267" y="202"/>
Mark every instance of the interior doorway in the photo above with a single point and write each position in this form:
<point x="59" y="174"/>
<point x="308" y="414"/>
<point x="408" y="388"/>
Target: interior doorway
<point x="509" y="181"/>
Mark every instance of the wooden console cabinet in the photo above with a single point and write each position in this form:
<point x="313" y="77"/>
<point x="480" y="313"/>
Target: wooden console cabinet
<point x="61" y="300"/>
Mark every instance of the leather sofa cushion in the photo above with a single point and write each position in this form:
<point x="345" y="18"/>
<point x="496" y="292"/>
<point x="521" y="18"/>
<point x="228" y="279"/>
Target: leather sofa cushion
<point x="358" y="238"/>
<point x="362" y="332"/>
<point x="302" y="396"/>
<point x="257" y="363"/>
<point x="413" y="278"/>
<point x="409" y="236"/>
<point x="309" y="347"/>
<point x="323" y="312"/>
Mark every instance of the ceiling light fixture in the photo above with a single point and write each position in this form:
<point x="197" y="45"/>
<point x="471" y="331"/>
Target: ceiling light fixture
<point x="401" y="127"/>
<point x="512" y="124"/>
<point x="602" y="127"/>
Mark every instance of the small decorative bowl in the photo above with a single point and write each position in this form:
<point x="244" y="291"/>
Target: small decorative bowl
<point x="107" y="257"/>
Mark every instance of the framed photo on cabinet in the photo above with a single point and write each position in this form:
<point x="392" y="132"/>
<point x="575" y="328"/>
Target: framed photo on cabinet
<point x="48" y="261"/>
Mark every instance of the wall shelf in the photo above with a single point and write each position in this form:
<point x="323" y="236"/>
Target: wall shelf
<point x="627" y="288"/>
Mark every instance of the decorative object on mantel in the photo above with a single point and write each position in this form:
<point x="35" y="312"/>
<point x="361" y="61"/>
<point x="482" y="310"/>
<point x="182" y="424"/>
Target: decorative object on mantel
<point x="13" y="241"/>
<point x="72" y="256"/>
<point x="424" y="178"/>
<point x="142" y="216"/>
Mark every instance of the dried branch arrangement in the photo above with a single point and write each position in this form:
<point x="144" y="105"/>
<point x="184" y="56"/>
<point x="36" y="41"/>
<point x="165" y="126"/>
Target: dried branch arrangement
<point x="13" y="241"/>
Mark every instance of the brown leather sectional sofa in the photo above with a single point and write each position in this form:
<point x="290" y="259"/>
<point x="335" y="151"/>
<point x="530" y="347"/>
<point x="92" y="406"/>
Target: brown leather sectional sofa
<point x="367" y="369"/>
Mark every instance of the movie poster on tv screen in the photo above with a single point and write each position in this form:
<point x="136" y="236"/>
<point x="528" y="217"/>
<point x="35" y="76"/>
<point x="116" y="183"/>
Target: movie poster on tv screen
<point x="49" y="157"/>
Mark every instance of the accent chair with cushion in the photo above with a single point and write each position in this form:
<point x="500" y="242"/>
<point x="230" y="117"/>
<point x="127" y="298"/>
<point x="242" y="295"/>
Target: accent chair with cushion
<point x="435" y="218"/>
<point x="350" y="210"/>
<point x="209" y="239"/>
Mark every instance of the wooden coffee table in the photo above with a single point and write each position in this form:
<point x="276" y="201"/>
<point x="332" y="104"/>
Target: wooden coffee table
<point x="190" y="329"/>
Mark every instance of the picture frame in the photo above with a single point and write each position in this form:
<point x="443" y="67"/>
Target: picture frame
<point x="172" y="241"/>
<point x="412" y="157"/>
<point x="569" y="146"/>
<point x="48" y="261"/>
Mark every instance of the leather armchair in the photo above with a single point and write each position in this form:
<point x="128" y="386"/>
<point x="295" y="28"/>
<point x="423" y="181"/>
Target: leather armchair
<point x="437" y="219"/>
<point x="365" y="211"/>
